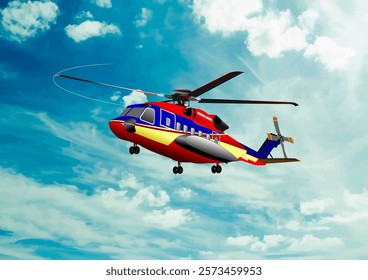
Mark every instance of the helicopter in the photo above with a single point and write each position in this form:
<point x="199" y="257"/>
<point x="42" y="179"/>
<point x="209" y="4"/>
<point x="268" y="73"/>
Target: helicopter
<point x="175" y="130"/>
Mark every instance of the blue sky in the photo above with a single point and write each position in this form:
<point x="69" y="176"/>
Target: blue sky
<point x="70" y="190"/>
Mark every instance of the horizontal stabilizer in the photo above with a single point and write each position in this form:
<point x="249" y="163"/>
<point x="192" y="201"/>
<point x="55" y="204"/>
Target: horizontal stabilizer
<point x="278" y="160"/>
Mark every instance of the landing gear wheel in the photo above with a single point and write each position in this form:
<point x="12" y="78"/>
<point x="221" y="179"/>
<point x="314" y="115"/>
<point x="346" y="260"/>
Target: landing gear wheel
<point x="175" y="170"/>
<point x="216" y="169"/>
<point x="137" y="150"/>
<point x="180" y="169"/>
<point x="131" y="150"/>
<point x="213" y="169"/>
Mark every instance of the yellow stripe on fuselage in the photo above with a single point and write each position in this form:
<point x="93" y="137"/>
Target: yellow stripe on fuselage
<point x="237" y="152"/>
<point x="165" y="137"/>
<point x="249" y="158"/>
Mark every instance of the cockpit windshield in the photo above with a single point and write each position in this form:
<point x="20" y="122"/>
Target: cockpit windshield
<point x="132" y="112"/>
<point x="126" y="110"/>
<point x="135" y="112"/>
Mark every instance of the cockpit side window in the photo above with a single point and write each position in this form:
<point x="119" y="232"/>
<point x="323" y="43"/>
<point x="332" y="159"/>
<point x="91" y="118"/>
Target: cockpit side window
<point x="148" y="115"/>
<point x="126" y="110"/>
<point x="135" y="112"/>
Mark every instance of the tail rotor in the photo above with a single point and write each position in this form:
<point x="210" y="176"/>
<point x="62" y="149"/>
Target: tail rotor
<point x="278" y="137"/>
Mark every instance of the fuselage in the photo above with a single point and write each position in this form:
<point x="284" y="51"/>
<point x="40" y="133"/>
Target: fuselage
<point x="181" y="133"/>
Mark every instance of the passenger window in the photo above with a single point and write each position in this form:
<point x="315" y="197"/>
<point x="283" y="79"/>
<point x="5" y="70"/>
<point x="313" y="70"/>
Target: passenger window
<point x="216" y="140"/>
<point x="185" y="128"/>
<point x="148" y="115"/>
<point x="192" y="130"/>
<point x="167" y="122"/>
<point x="200" y="133"/>
<point x="208" y="136"/>
<point x="178" y="126"/>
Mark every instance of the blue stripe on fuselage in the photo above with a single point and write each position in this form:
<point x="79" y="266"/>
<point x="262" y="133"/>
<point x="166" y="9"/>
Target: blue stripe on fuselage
<point x="157" y="121"/>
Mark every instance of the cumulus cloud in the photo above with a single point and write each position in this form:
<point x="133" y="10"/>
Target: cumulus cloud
<point x="115" y="96"/>
<point x="134" y="97"/>
<point x="84" y="15"/>
<point x="271" y="32"/>
<point x="102" y="3"/>
<point x="168" y="218"/>
<point x="144" y="17"/>
<point x="24" y="20"/>
<point x="241" y="240"/>
<point x="185" y="193"/>
<point x="331" y="55"/>
<point x="310" y="242"/>
<point x="255" y="244"/>
<point x="108" y="218"/>
<point x="315" y="206"/>
<point x="225" y="16"/>
<point x="89" y="29"/>
<point x="354" y="210"/>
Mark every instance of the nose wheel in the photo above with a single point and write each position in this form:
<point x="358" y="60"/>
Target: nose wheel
<point x="216" y="169"/>
<point x="134" y="150"/>
<point x="178" y="169"/>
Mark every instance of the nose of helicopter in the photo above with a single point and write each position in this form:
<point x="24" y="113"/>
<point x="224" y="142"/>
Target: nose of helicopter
<point x="116" y="127"/>
<point x="119" y="128"/>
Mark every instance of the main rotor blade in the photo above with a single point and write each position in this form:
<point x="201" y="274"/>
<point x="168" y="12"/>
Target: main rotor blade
<point x="240" y="101"/>
<point x="88" y="81"/>
<point x="109" y="85"/>
<point x="215" y="83"/>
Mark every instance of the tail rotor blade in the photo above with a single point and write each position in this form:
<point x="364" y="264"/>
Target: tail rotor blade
<point x="276" y="123"/>
<point x="288" y="139"/>
<point x="272" y="137"/>
<point x="283" y="148"/>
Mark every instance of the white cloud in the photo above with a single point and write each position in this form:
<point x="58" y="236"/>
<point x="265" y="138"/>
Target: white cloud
<point x="84" y="15"/>
<point x="24" y="20"/>
<point x="108" y="220"/>
<point x="102" y="3"/>
<point x="315" y="206"/>
<point x="144" y="17"/>
<point x="355" y="210"/>
<point x="331" y="55"/>
<point x="307" y="20"/>
<point x="89" y="29"/>
<point x="134" y="97"/>
<point x="310" y="242"/>
<point x="115" y="96"/>
<point x="273" y="34"/>
<point x="168" y="218"/>
<point x="185" y="193"/>
<point x="243" y="240"/>
<point x="225" y="16"/>
<point x="255" y="244"/>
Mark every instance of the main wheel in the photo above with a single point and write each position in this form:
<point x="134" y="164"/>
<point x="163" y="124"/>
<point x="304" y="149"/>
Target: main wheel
<point x="180" y="169"/>
<point x="175" y="170"/>
<point x="213" y="169"/>
<point x="131" y="150"/>
<point x="137" y="150"/>
<point x="218" y="169"/>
